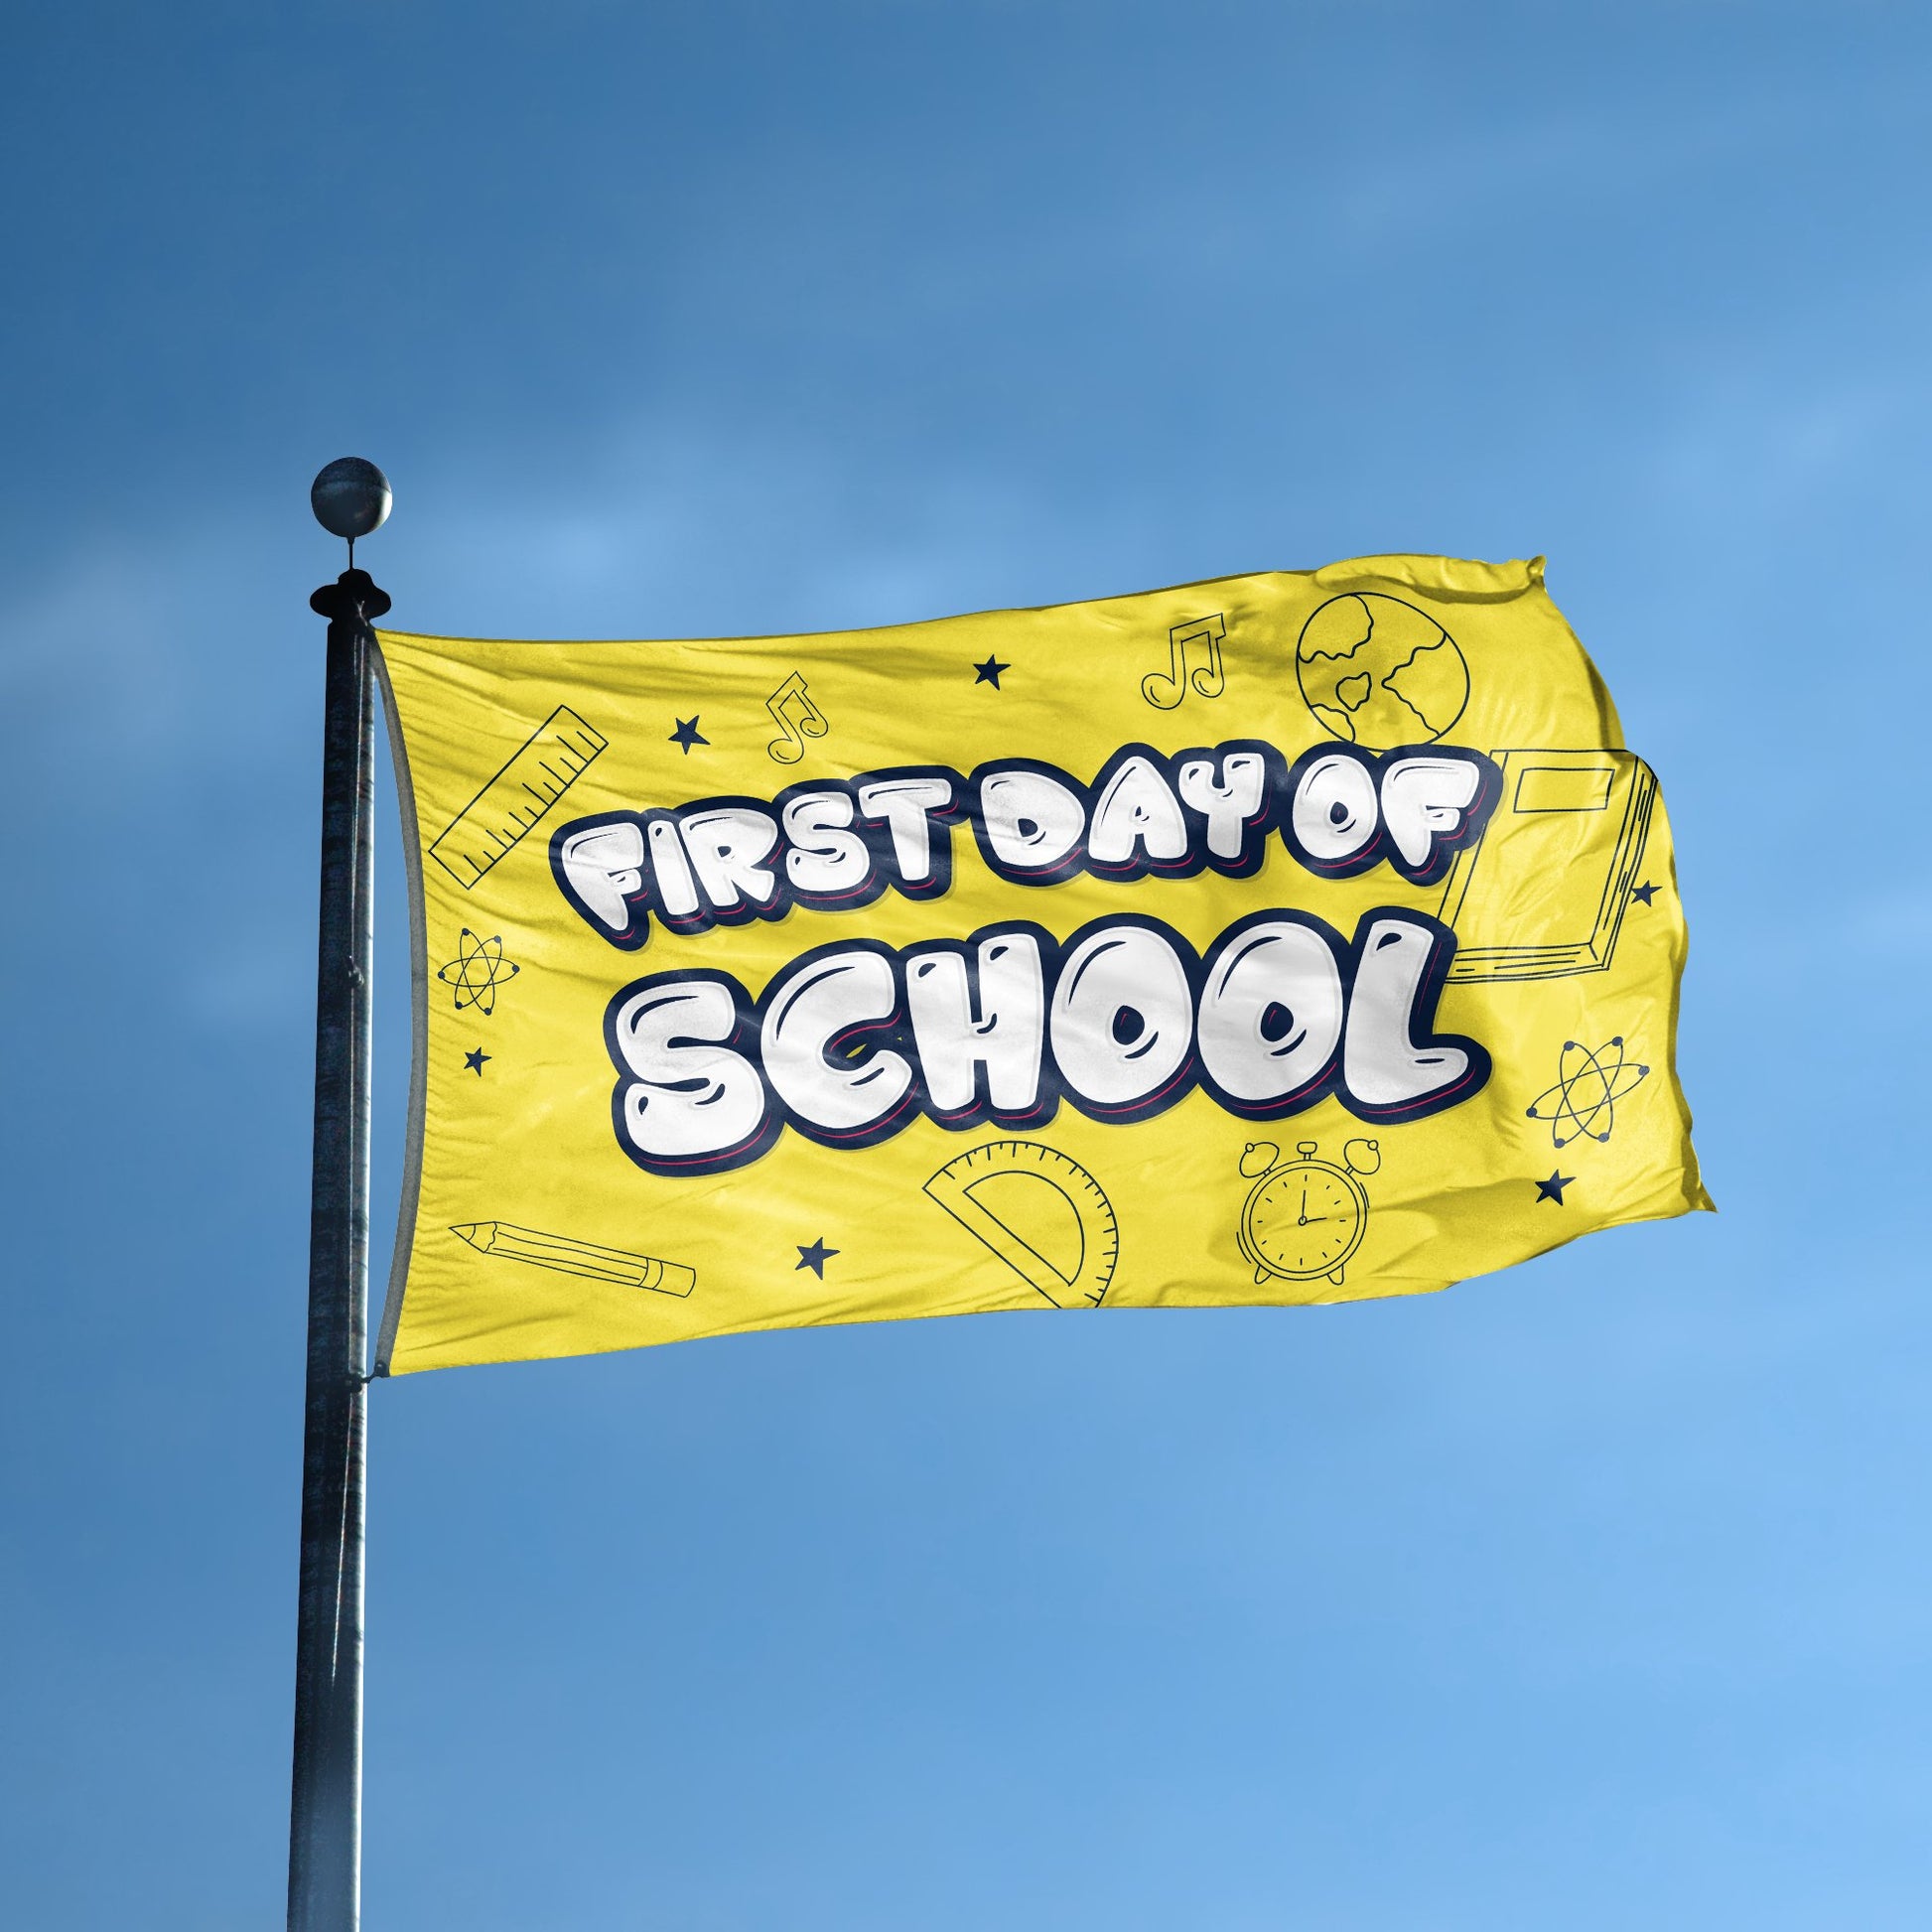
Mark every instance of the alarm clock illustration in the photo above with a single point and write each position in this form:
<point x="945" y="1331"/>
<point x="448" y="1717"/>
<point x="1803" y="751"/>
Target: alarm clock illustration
<point x="1304" y="1218"/>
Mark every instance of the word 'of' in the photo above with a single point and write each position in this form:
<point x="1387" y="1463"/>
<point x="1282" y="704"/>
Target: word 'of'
<point x="836" y="844"/>
<point x="851" y="1043"/>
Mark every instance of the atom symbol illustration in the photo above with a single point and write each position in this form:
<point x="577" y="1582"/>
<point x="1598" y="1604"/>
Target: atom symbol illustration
<point x="478" y="970"/>
<point x="1588" y="1087"/>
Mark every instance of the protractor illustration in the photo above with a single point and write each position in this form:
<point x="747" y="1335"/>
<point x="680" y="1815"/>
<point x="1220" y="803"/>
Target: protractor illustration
<point x="1042" y="1212"/>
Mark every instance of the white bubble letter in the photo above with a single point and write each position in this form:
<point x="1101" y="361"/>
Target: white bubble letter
<point x="1385" y="1069"/>
<point x="1031" y="822"/>
<point x="690" y="1098"/>
<point x="807" y="1023"/>
<point x="1004" y="1034"/>
<point x="603" y="866"/>
<point x="1230" y="806"/>
<point x="1270" y="1012"/>
<point x="825" y="861"/>
<point x="1425" y="799"/>
<point x="1123" y="1018"/>
<point x="1334" y="815"/>
<point x="904" y="804"/>
<point x="729" y="845"/>
<point x="1136" y="807"/>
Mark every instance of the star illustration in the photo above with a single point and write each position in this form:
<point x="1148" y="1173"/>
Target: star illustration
<point x="989" y="673"/>
<point x="815" y="1257"/>
<point x="688" y="735"/>
<point x="1644" y="893"/>
<point x="1552" y="1189"/>
<point x="475" y="1061"/>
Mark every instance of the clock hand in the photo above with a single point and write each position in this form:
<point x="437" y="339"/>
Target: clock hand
<point x="1304" y="1221"/>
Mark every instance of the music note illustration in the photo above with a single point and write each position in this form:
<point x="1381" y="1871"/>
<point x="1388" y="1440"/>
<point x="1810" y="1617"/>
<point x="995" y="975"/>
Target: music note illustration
<point x="794" y="712"/>
<point x="1165" y="689"/>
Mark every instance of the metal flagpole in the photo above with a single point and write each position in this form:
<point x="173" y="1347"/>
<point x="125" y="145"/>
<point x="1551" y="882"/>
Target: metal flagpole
<point x="351" y="499"/>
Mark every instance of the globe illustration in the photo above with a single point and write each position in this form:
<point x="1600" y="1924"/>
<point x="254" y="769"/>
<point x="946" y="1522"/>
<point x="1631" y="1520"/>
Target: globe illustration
<point x="1379" y="673"/>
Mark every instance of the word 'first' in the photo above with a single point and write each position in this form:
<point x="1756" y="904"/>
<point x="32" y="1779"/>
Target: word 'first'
<point x="836" y="844"/>
<point x="852" y="1043"/>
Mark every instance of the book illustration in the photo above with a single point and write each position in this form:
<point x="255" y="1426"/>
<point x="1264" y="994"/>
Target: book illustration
<point x="1304" y="1218"/>
<point x="567" y="1256"/>
<point x="544" y="766"/>
<point x="477" y="970"/>
<point x="1378" y="673"/>
<point x="1203" y="636"/>
<point x="1543" y="893"/>
<point x="1589" y="1084"/>
<point x="797" y="719"/>
<point x="1042" y="1212"/>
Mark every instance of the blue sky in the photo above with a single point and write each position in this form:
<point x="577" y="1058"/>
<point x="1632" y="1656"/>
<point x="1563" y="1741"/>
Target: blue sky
<point x="1589" y="1596"/>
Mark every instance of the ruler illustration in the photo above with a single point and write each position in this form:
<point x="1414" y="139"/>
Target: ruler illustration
<point x="493" y="822"/>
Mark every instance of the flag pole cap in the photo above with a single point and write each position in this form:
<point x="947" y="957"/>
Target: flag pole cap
<point x="351" y="497"/>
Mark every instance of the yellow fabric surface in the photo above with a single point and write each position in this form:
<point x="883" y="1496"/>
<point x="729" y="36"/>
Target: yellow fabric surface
<point x="1296" y="937"/>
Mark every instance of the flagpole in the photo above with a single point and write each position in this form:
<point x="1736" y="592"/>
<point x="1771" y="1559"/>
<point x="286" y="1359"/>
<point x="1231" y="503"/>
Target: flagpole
<point x="351" y="499"/>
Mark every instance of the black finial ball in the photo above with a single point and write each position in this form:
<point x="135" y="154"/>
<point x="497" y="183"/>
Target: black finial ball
<point x="351" y="497"/>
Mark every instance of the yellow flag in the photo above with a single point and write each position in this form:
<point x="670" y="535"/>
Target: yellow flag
<point x="1296" y="937"/>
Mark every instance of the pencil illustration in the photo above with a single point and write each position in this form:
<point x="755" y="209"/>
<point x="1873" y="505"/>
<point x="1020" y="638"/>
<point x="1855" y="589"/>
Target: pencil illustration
<point x="571" y="1257"/>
